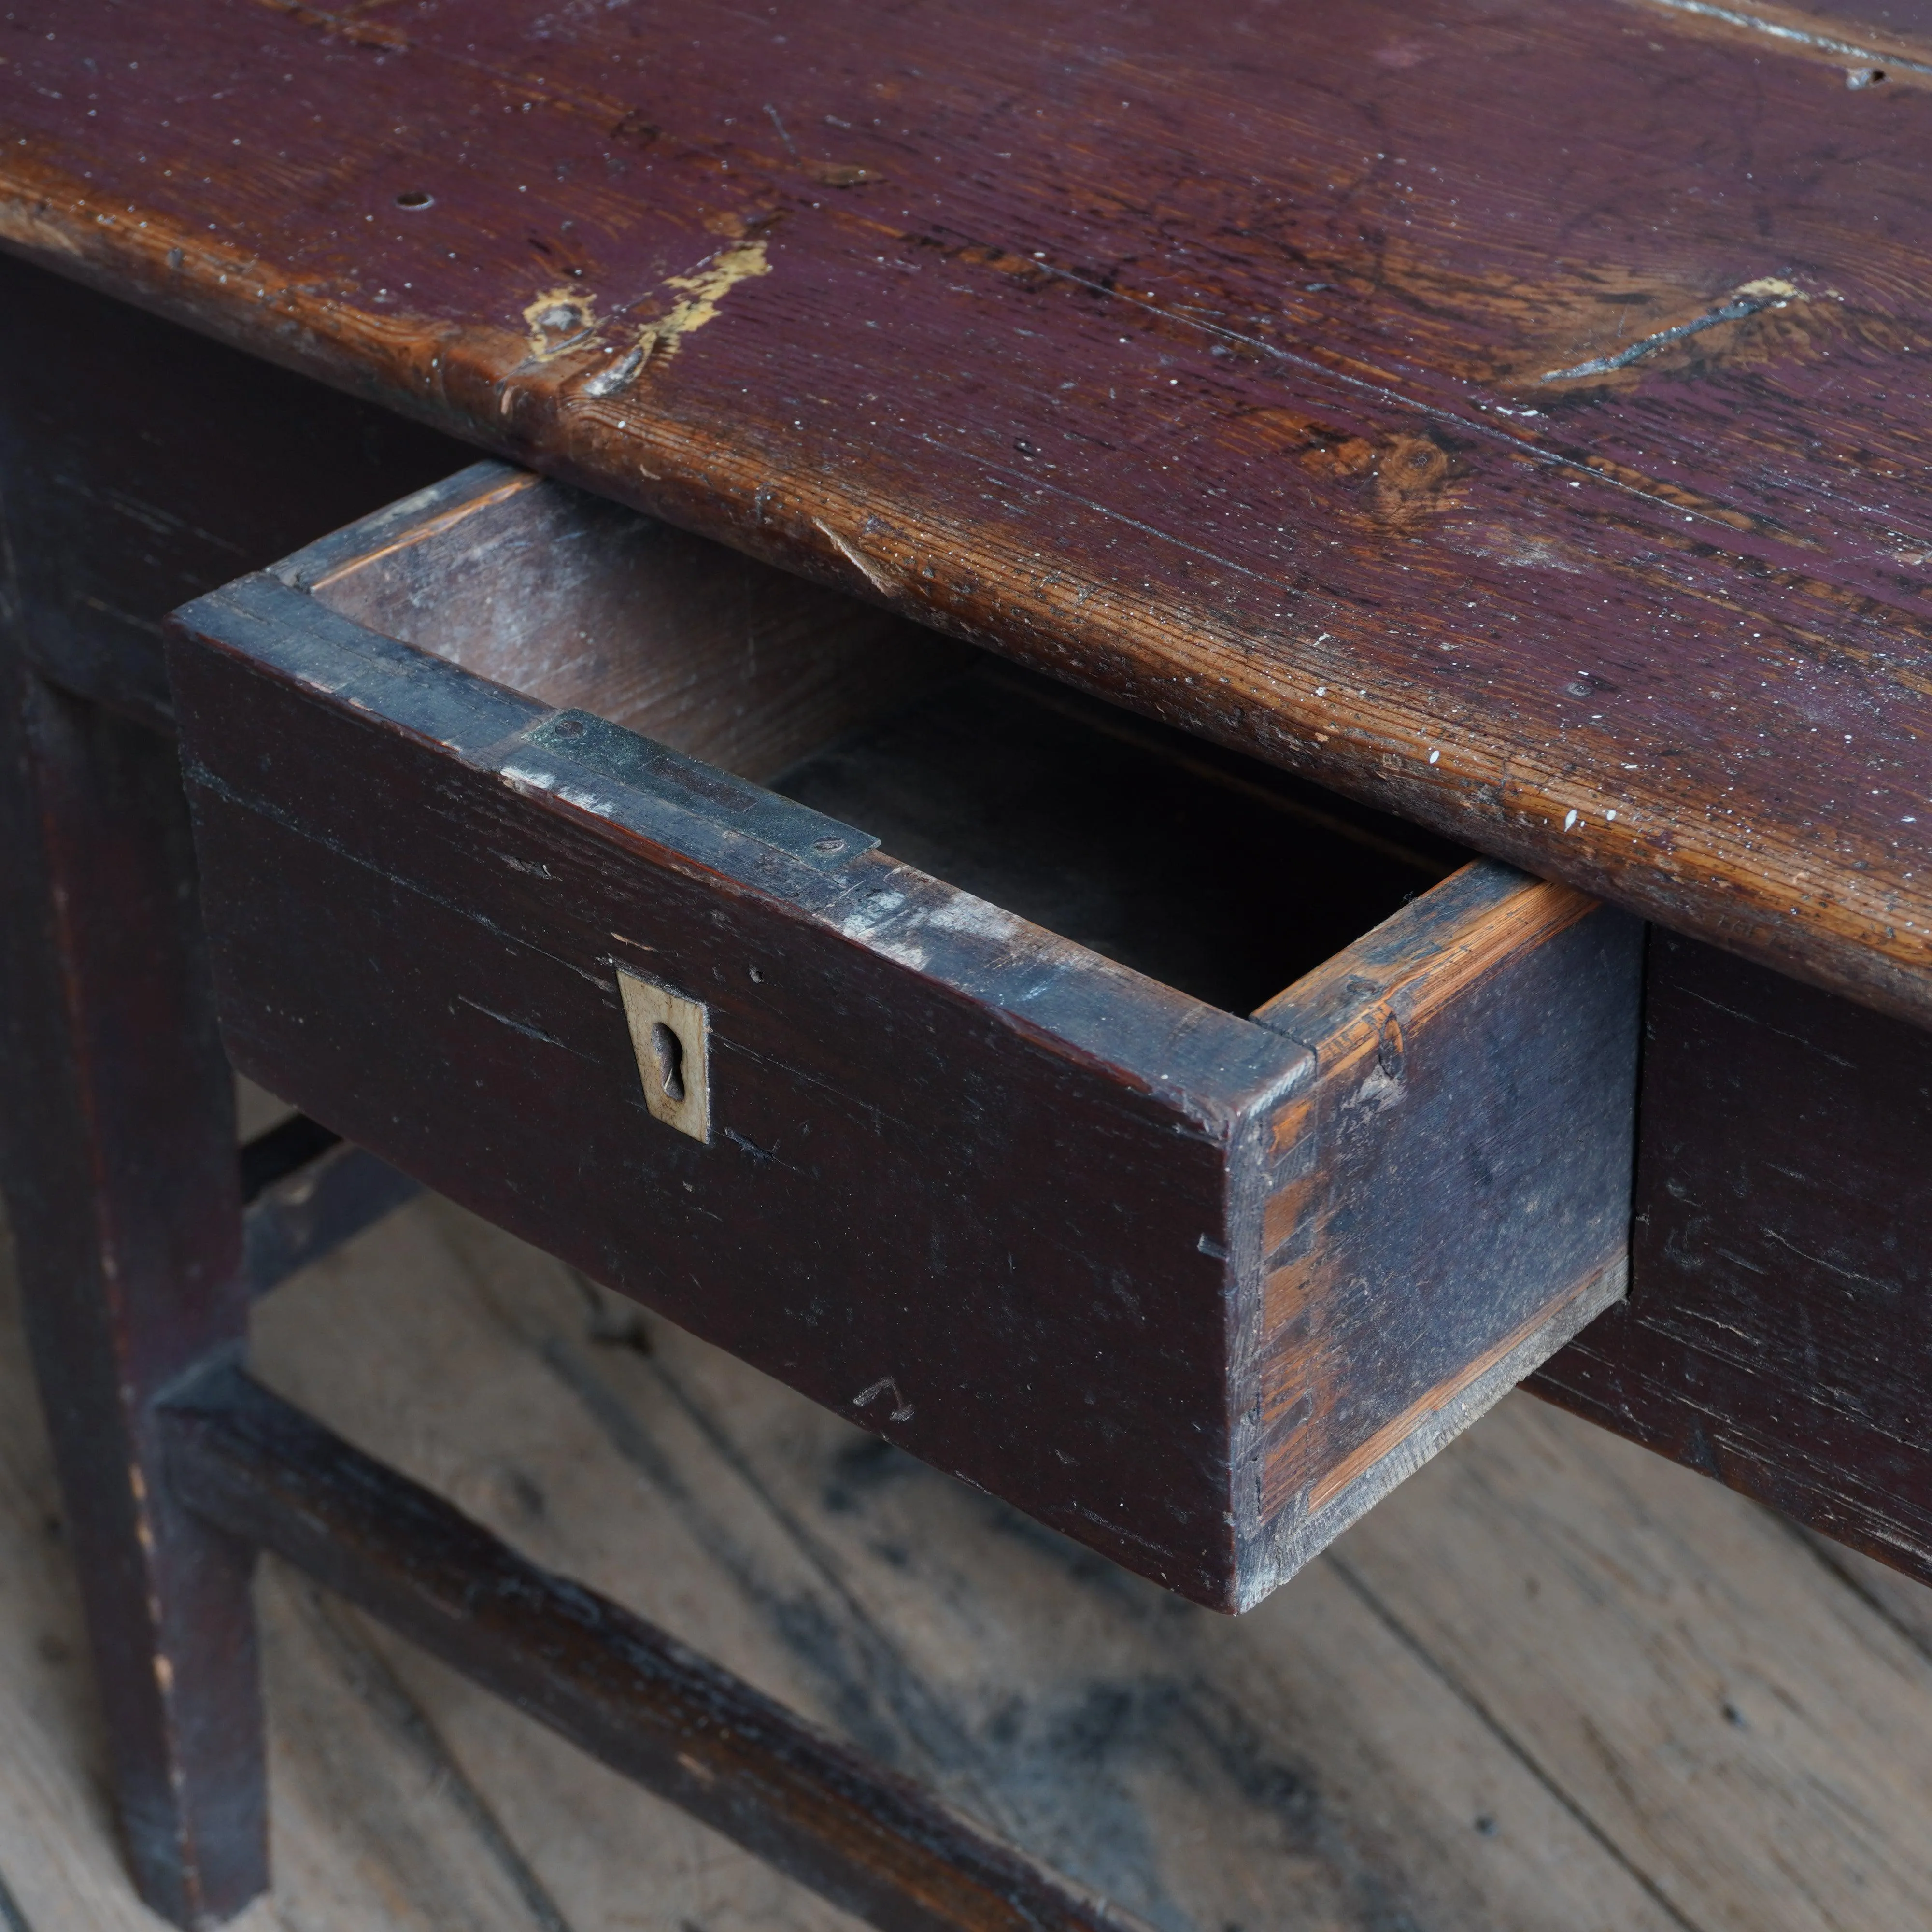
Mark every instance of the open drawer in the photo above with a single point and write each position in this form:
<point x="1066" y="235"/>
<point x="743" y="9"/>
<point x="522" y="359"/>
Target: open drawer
<point x="949" y="1079"/>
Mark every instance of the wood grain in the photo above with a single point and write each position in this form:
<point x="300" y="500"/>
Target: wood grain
<point x="1823" y="1757"/>
<point x="1542" y="1617"/>
<point x="1295" y="1771"/>
<point x="374" y="1821"/>
<point x="588" y="606"/>
<point x="1777" y="1336"/>
<point x="142" y="464"/>
<point x="1506" y="413"/>
<point x="900" y="1211"/>
<point x="1083" y="1234"/>
<point x="115" y="1146"/>
<point x="1466" y="1751"/>
<point x="1460" y="1169"/>
<point x="117" y="1159"/>
<point x="630" y="1695"/>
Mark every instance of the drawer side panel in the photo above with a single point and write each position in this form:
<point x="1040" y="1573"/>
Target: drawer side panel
<point x="1454" y="1197"/>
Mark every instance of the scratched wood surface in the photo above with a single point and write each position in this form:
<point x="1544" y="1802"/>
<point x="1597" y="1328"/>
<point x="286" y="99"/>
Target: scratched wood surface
<point x="1163" y="1247"/>
<point x="1555" y="1683"/>
<point x="1787" y="1155"/>
<point x="1505" y="409"/>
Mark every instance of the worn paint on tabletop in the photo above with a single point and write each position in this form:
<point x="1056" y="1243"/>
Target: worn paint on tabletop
<point x="1506" y="411"/>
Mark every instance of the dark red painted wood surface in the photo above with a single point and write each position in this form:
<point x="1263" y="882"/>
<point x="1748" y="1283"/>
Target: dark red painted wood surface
<point x="1776" y="1336"/>
<point x="139" y="465"/>
<point x="1506" y="409"/>
<point x="117" y="1166"/>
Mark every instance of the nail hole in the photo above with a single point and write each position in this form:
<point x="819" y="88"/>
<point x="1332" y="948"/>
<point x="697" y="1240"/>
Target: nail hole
<point x="414" y="197"/>
<point x="669" y="1050"/>
<point x="828" y="845"/>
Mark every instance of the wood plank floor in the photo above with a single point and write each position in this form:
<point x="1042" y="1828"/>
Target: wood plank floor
<point x="1554" y="1683"/>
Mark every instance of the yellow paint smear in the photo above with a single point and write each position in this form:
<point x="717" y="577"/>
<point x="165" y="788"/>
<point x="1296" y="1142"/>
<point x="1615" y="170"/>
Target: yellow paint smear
<point x="559" y="319"/>
<point x="703" y="289"/>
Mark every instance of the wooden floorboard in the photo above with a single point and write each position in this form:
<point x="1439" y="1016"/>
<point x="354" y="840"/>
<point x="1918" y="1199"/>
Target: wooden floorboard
<point x="1553" y="1683"/>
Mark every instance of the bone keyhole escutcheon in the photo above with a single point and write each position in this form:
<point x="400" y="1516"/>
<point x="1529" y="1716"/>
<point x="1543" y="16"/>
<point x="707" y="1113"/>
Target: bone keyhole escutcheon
<point x="670" y="1036"/>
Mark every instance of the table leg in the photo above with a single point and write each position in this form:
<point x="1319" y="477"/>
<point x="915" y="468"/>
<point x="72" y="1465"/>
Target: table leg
<point x="117" y="1159"/>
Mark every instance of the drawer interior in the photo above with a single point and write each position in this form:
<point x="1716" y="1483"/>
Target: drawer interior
<point x="1211" y="873"/>
<point x="1215" y="873"/>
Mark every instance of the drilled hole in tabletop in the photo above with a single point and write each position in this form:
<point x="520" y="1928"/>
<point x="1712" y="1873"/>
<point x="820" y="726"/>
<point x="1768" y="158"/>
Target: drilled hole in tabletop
<point x="414" y="197"/>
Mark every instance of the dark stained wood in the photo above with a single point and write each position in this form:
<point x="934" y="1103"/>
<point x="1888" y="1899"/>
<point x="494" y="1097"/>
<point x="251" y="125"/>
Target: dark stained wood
<point x="1778" y="1335"/>
<point x="1451" y="1199"/>
<point x="117" y="1159"/>
<point x="145" y="464"/>
<point x="138" y="462"/>
<point x="1506" y="413"/>
<point x="627" y="1692"/>
<point x="426" y="927"/>
<point x="1326" y="520"/>
<point x="1050" y="1223"/>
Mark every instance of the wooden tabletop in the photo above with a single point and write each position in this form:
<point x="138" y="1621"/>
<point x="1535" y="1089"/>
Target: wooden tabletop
<point x="1511" y="412"/>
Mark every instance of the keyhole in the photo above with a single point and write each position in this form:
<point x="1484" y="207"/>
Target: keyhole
<point x="669" y="1050"/>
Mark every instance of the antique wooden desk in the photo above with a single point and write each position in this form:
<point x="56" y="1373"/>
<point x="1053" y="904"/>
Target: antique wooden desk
<point x="1280" y="452"/>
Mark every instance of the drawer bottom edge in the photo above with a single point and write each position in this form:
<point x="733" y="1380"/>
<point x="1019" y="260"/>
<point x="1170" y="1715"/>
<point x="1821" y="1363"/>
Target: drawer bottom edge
<point x="1296" y="1536"/>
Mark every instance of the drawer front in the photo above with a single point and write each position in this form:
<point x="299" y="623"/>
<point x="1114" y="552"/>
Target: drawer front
<point x="1191" y="1287"/>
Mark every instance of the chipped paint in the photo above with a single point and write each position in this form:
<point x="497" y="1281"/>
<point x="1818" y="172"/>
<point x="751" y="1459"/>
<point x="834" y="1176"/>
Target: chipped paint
<point x="703" y="289"/>
<point x="1800" y="33"/>
<point x="1148" y="623"/>
<point x="558" y="319"/>
<point x="624" y="369"/>
<point x="964" y="914"/>
<point x="839" y="174"/>
<point x="27" y="226"/>
<point x="875" y="574"/>
<point x="871" y="912"/>
<point x="1748" y="298"/>
<point x="901" y="1411"/>
<point x="906" y="952"/>
<point x="1516" y="550"/>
